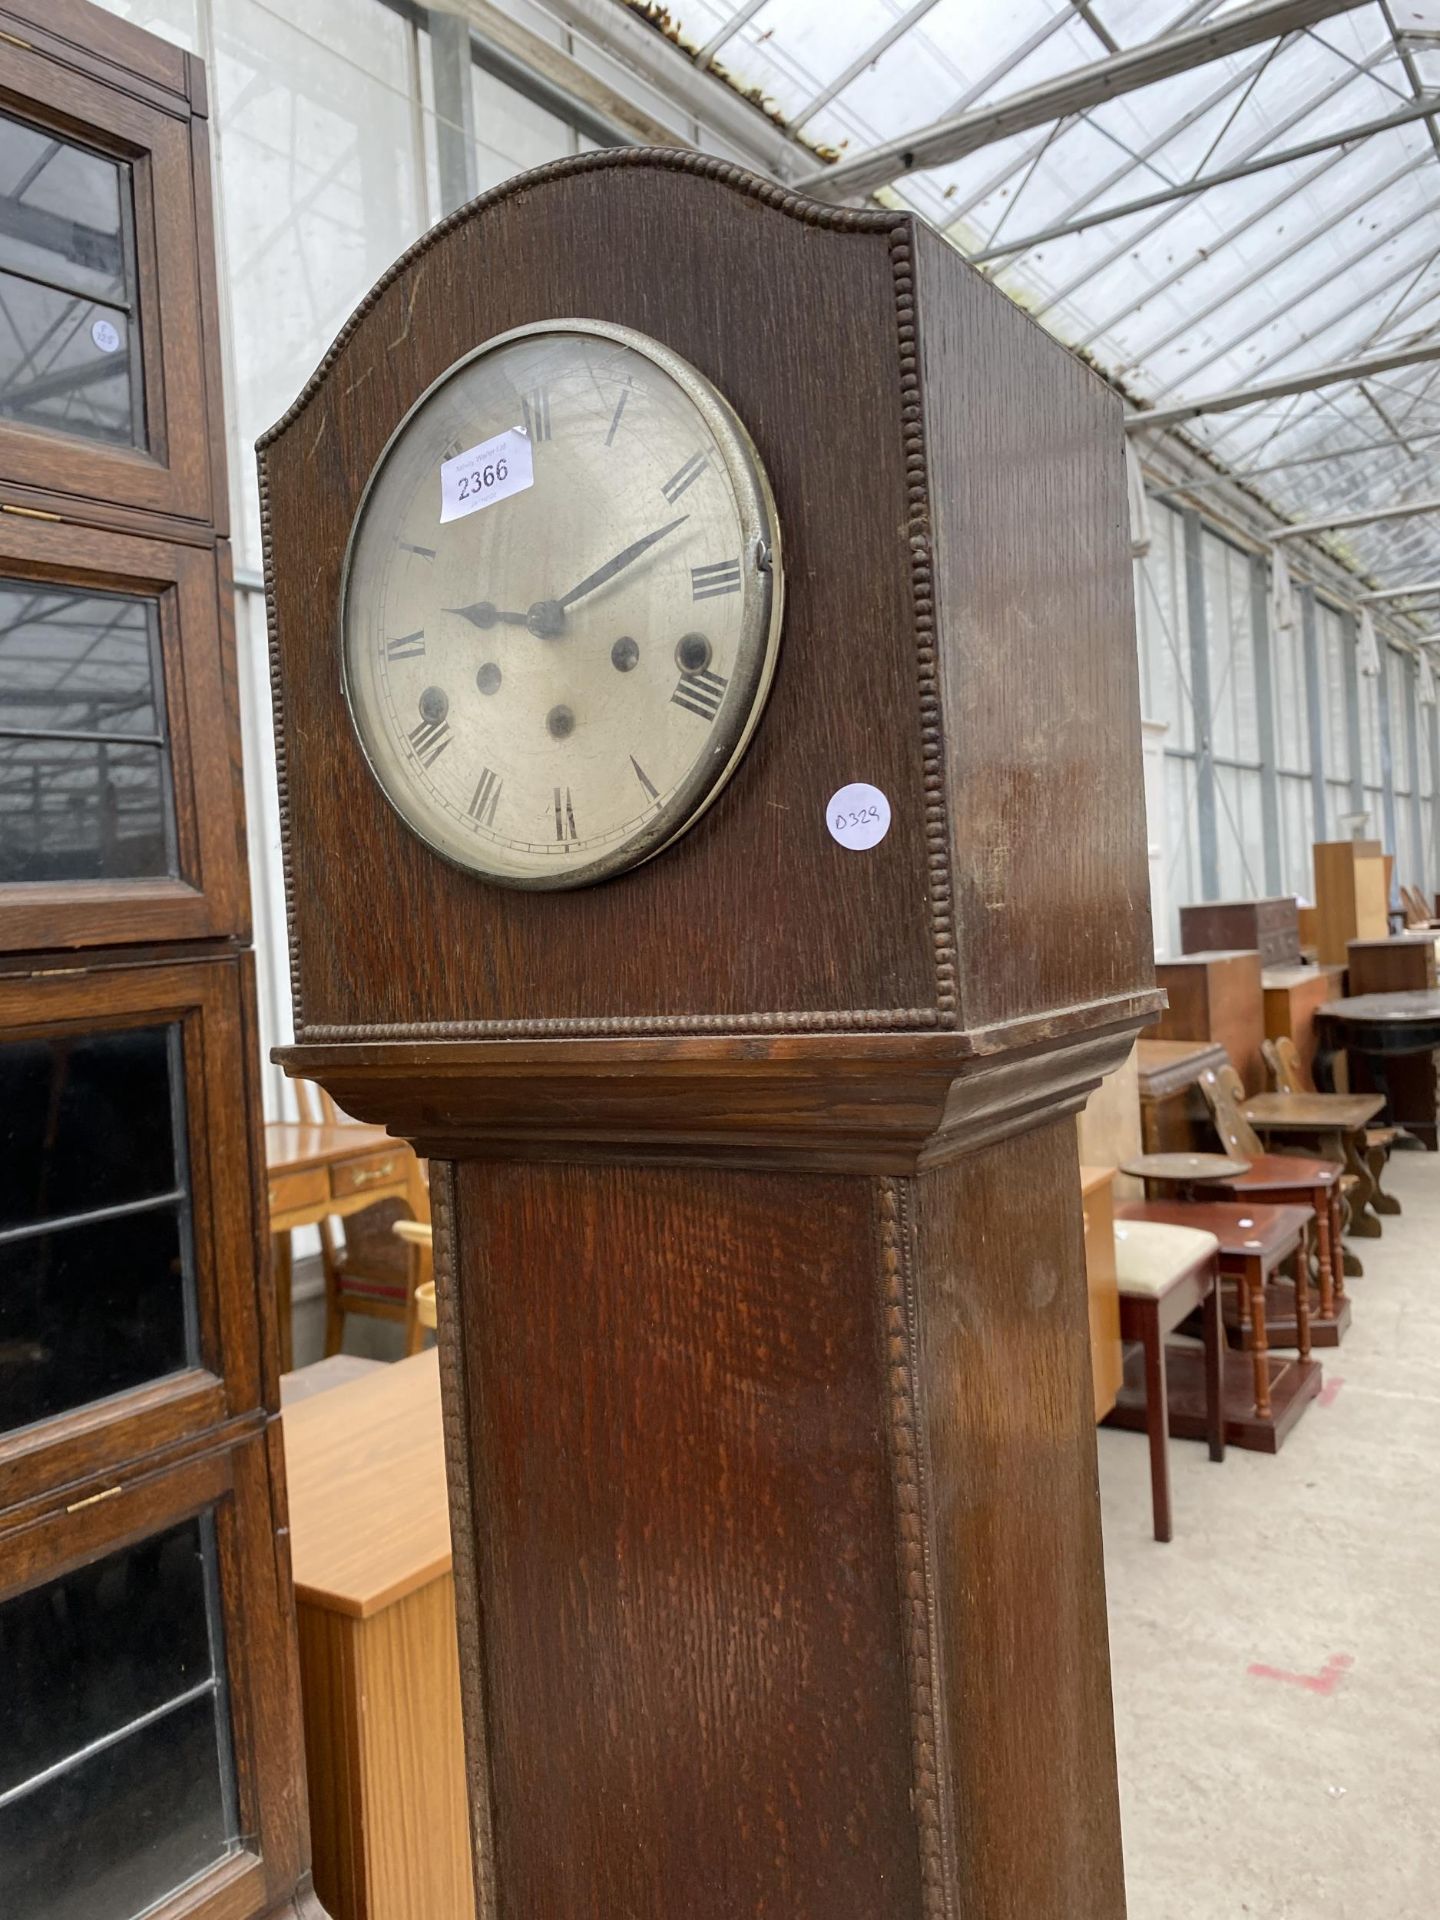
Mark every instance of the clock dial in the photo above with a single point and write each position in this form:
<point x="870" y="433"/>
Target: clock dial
<point x="561" y="605"/>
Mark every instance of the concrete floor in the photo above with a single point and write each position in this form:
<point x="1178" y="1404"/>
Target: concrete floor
<point x="1246" y="1794"/>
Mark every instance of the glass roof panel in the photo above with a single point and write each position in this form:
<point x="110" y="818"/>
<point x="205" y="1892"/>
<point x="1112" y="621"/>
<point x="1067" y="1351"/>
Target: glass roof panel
<point x="1324" y="256"/>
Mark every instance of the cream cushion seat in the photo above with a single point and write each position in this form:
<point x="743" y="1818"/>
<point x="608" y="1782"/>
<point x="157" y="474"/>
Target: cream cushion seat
<point x="1150" y="1257"/>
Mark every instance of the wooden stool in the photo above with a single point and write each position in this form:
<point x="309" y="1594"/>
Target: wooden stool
<point x="1164" y="1273"/>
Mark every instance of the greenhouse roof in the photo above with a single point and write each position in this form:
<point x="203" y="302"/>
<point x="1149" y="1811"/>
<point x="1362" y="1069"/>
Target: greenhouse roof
<point x="1206" y="199"/>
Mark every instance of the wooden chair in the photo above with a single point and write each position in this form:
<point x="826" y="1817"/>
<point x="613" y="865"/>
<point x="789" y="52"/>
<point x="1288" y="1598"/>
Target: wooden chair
<point x="419" y="1236"/>
<point x="370" y="1271"/>
<point x="1164" y="1273"/>
<point x="1288" y="1075"/>
<point x="1281" y="1178"/>
<point x="1417" y="914"/>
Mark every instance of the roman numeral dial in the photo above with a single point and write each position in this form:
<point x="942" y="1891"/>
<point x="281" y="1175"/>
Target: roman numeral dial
<point x="716" y="578"/>
<point x="700" y="692"/>
<point x="430" y="739"/>
<point x="486" y="798"/>
<point x="553" y="674"/>
<point x="685" y="476"/>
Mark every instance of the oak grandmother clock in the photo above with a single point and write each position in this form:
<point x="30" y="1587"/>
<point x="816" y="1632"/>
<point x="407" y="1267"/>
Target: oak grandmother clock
<point x="710" y="772"/>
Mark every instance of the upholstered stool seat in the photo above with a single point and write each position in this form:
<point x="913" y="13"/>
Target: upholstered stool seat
<point x="1164" y="1273"/>
<point x="1151" y="1257"/>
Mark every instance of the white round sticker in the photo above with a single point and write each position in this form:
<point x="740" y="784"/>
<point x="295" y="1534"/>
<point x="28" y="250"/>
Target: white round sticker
<point x="858" y="816"/>
<point x="106" y="336"/>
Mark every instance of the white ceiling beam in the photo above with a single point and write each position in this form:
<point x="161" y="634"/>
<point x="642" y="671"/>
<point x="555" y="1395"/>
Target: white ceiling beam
<point x="948" y="140"/>
<point x="727" y="31"/>
<point x="1401" y="593"/>
<point x="897" y="30"/>
<point x="1019" y="163"/>
<point x="1129" y="243"/>
<point x="1254" y="396"/>
<point x="1361" y="517"/>
<point x="1187" y="189"/>
<point x="1336" y="272"/>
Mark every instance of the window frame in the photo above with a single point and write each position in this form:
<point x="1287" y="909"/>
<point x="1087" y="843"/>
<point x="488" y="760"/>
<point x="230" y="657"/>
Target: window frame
<point x="205" y="999"/>
<point x="175" y="472"/>
<point x="234" y="1482"/>
<point x="208" y="897"/>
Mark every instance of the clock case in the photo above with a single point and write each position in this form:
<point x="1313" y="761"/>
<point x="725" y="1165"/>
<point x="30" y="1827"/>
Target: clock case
<point x="758" y="1233"/>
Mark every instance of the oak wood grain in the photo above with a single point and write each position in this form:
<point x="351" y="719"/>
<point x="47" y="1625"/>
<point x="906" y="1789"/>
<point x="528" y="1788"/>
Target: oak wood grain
<point x="1003" y="1358"/>
<point x="680" y="1491"/>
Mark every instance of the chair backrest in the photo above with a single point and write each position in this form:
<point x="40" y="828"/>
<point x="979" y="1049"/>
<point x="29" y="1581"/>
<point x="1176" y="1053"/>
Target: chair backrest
<point x="1225" y="1095"/>
<point x="1287" y="1071"/>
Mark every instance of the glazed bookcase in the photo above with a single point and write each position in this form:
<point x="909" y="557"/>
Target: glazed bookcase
<point x="150" y="1757"/>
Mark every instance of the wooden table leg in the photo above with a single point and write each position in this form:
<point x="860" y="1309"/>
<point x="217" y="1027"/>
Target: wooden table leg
<point x="1324" y="1205"/>
<point x="1364" y="1221"/>
<point x="1157" y="1418"/>
<point x="1300" y="1266"/>
<point x="1214" y="1370"/>
<point x="1260" y="1347"/>
<point x="282" y="1266"/>
<point x="1337" y="1248"/>
<point x="1381" y="1201"/>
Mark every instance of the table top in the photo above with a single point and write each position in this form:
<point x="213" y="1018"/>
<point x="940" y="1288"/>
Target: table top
<point x="1313" y="1112"/>
<point x="369" y="1516"/>
<point x="323" y="1376"/>
<point x="1184" y="1166"/>
<point x="1283" y="979"/>
<point x="1273" y="1231"/>
<point x="292" y="1145"/>
<point x="1422" y="1004"/>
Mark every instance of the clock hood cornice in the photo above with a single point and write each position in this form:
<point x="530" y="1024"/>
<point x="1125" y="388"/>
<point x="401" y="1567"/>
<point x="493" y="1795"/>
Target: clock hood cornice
<point x="882" y="1103"/>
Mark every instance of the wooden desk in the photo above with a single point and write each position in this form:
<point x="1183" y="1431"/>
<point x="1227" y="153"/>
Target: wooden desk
<point x="379" y="1668"/>
<point x="1107" y="1359"/>
<point x="315" y="1172"/>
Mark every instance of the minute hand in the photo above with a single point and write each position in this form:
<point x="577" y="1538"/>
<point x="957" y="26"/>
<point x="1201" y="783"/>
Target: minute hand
<point x="620" y="562"/>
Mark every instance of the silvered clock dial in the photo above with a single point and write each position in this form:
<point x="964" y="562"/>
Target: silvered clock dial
<point x="561" y="605"/>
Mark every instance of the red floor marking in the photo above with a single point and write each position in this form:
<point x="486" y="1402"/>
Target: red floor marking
<point x="1326" y="1682"/>
<point x="1328" y="1393"/>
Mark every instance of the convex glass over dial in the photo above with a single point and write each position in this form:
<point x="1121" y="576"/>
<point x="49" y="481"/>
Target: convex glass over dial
<point x="561" y="605"/>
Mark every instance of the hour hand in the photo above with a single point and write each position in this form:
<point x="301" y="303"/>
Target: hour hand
<point x="481" y="613"/>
